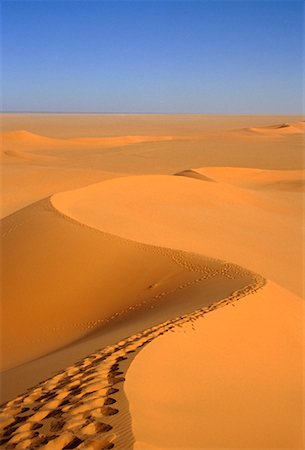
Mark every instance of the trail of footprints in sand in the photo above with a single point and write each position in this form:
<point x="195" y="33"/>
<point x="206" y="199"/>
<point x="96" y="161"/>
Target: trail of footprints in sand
<point x="205" y="272"/>
<point x="75" y="408"/>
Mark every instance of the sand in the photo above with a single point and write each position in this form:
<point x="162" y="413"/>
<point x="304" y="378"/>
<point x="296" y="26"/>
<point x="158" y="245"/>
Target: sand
<point x="246" y="388"/>
<point x="118" y="231"/>
<point x="43" y="154"/>
<point x="176" y="212"/>
<point x="72" y="407"/>
<point x="66" y="267"/>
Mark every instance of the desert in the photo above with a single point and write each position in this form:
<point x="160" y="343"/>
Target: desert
<point x="152" y="288"/>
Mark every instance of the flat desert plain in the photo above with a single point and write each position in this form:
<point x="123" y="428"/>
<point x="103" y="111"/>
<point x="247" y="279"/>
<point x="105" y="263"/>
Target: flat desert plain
<point x="152" y="282"/>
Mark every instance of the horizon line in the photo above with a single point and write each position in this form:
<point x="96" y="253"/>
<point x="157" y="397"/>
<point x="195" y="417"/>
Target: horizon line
<point x="155" y="113"/>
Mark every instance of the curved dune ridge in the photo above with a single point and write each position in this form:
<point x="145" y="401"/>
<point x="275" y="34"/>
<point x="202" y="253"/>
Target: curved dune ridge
<point x="214" y="219"/>
<point x="233" y="380"/>
<point x="84" y="405"/>
<point x="281" y="180"/>
<point x="44" y="154"/>
<point x="97" y="273"/>
<point x="62" y="267"/>
<point x="73" y="408"/>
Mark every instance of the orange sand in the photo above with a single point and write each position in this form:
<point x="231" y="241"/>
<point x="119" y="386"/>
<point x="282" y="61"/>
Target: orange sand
<point x="235" y="381"/>
<point x="130" y="214"/>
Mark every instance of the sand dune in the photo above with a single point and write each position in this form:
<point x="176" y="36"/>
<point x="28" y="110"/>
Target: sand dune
<point x="281" y="180"/>
<point x="72" y="408"/>
<point x="208" y="218"/>
<point x="233" y="381"/>
<point x="61" y="268"/>
<point x="74" y="279"/>
<point x="95" y="272"/>
<point x="44" y="154"/>
<point x="281" y="129"/>
<point x="28" y="142"/>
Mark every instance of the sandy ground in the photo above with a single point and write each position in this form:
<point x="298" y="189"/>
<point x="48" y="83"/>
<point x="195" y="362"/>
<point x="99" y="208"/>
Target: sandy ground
<point x="246" y="388"/>
<point x="44" y="154"/>
<point x="119" y="229"/>
<point x="211" y="218"/>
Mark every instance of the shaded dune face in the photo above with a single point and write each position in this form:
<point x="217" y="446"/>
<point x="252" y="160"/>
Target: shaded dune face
<point x="193" y="174"/>
<point x="127" y="255"/>
<point x="212" y="218"/>
<point x="84" y="405"/>
<point x="256" y="179"/>
<point x="62" y="280"/>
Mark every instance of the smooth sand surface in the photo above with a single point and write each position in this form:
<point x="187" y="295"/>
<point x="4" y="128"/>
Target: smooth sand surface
<point x="72" y="408"/>
<point x="119" y="229"/>
<point x="43" y="154"/>
<point x="233" y="381"/>
<point x="213" y="219"/>
<point x="71" y="280"/>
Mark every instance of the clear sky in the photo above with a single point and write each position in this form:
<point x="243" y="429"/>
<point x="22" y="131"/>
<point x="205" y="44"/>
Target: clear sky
<point x="152" y="56"/>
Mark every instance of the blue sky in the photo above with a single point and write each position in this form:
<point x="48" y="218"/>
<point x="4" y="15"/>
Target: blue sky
<point x="153" y="56"/>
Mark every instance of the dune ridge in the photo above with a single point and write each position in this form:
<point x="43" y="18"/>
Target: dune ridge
<point x="47" y="156"/>
<point x="226" y="365"/>
<point x="73" y="407"/>
<point x="251" y="178"/>
<point x="152" y="209"/>
<point x="53" y="278"/>
<point x="96" y="272"/>
<point x="191" y="173"/>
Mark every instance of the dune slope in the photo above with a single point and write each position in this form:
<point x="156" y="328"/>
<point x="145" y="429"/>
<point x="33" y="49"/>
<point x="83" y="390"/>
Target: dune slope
<point x="72" y="408"/>
<point x="257" y="179"/>
<point x="233" y="381"/>
<point x="62" y="280"/>
<point x="95" y="274"/>
<point x="214" y="219"/>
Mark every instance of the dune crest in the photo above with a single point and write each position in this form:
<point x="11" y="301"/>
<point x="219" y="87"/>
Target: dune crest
<point x="84" y="405"/>
<point x="193" y="174"/>
<point x="94" y="273"/>
<point x="278" y="180"/>
<point x="236" y="367"/>
<point x="89" y="267"/>
<point x="213" y="219"/>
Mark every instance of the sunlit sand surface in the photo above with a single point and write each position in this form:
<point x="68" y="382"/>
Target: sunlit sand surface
<point x="164" y="250"/>
<point x="233" y="381"/>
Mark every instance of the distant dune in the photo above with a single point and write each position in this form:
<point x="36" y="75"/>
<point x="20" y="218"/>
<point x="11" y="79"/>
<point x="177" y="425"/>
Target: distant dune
<point x="166" y="251"/>
<point x="282" y="180"/>
<point x="27" y="142"/>
<point x="281" y="129"/>
<point x="44" y="154"/>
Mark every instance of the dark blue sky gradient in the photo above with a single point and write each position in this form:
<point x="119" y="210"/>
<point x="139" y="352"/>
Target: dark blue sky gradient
<point x="153" y="56"/>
